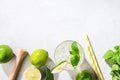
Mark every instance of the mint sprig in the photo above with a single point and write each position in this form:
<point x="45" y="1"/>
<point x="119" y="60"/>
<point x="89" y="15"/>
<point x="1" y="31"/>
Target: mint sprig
<point x="74" y="54"/>
<point x="112" y="57"/>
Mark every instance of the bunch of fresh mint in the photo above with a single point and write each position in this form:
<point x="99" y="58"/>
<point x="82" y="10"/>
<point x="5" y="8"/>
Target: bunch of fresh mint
<point x="112" y="57"/>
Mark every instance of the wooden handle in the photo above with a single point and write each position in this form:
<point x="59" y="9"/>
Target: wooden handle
<point x="19" y="59"/>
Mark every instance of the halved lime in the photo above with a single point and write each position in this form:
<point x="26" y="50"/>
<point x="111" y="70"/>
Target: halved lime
<point x="32" y="73"/>
<point x="59" y="67"/>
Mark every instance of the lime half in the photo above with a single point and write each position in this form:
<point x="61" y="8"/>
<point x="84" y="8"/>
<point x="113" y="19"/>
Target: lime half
<point x="32" y="73"/>
<point x="59" y="67"/>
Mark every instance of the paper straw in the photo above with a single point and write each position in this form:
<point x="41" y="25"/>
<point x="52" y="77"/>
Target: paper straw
<point x="94" y="61"/>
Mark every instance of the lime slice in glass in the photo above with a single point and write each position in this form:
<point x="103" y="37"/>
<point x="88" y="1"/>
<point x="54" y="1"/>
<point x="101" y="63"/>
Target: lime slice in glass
<point x="59" y="67"/>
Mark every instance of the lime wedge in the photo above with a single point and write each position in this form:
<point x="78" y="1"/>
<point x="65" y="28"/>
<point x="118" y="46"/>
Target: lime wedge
<point x="32" y="73"/>
<point x="59" y="67"/>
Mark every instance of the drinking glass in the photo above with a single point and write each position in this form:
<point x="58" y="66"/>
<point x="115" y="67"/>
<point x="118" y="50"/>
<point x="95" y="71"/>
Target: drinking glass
<point x="62" y="52"/>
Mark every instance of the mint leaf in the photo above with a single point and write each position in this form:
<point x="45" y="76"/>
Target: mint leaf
<point x="115" y="73"/>
<point x="73" y="52"/>
<point x="118" y="59"/>
<point x="110" y="62"/>
<point x="75" y="47"/>
<point x="108" y="54"/>
<point x="74" y="59"/>
<point x="117" y="48"/>
<point x="115" y="67"/>
<point x="49" y="75"/>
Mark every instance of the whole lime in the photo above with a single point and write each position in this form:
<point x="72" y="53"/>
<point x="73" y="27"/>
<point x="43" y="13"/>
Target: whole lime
<point x="6" y="53"/>
<point x="39" y="57"/>
<point x="84" y="75"/>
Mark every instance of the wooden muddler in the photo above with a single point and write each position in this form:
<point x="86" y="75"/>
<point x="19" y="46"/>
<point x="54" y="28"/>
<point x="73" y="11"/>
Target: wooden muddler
<point x="19" y="59"/>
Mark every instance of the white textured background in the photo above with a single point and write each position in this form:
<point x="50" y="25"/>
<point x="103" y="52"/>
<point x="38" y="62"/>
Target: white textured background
<point x="31" y="24"/>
